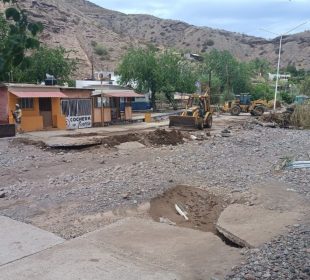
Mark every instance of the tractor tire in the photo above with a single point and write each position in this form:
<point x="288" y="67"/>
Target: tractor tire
<point x="200" y="125"/>
<point x="235" y="111"/>
<point x="258" y="111"/>
<point x="209" y="122"/>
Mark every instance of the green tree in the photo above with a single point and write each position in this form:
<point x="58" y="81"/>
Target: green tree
<point x="241" y="82"/>
<point x="175" y="75"/>
<point x="53" y="61"/>
<point x="287" y="98"/>
<point x="138" y="68"/>
<point x="150" y="71"/>
<point x="262" y="91"/>
<point x="234" y="76"/>
<point x="305" y="86"/>
<point x="260" y="67"/>
<point x="4" y="29"/>
<point x="17" y="39"/>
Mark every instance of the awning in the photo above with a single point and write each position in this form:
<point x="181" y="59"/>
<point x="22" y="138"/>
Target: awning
<point x="120" y="93"/>
<point x="34" y="94"/>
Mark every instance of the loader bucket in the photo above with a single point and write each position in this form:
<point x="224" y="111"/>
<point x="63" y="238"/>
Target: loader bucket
<point x="182" y="121"/>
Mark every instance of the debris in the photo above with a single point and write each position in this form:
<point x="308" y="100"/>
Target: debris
<point x="126" y="195"/>
<point x="166" y="221"/>
<point x="299" y="164"/>
<point x="282" y="164"/>
<point x="180" y="212"/>
<point x="267" y="124"/>
<point x="193" y="137"/>
<point x="225" y="133"/>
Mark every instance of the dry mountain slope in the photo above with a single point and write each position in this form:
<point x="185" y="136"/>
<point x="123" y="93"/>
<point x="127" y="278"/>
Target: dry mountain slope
<point x="74" y="24"/>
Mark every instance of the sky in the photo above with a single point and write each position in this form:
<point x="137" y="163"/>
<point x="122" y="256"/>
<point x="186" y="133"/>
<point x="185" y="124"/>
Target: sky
<point x="242" y="16"/>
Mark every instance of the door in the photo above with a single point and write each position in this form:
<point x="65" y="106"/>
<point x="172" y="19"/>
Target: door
<point x="45" y="107"/>
<point x="115" y="108"/>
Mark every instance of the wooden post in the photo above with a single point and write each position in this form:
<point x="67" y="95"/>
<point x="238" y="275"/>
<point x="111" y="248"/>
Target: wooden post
<point x="102" y="120"/>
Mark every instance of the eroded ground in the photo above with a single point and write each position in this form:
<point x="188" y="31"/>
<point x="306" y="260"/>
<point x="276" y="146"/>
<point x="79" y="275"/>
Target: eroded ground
<point x="71" y="192"/>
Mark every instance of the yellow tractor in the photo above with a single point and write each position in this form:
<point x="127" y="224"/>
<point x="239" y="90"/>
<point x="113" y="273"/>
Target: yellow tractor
<point x="196" y="115"/>
<point x="243" y="104"/>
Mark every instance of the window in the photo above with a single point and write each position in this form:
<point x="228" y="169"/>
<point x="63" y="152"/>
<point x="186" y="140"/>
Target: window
<point x="76" y="107"/>
<point x="26" y="103"/>
<point x="98" y="102"/>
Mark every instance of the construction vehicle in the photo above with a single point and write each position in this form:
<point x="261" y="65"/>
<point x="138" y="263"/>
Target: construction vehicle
<point x="243" y="104"/>
<point x="196" y="115"/>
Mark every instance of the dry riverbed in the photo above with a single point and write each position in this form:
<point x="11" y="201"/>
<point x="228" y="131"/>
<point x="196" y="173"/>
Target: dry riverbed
<point x="71" y="192"/>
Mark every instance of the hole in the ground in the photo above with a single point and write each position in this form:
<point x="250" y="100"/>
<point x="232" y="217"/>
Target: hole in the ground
<point x="227" y="241"/>
<point x="202" y="208"/>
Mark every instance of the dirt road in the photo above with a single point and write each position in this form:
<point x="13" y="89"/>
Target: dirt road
<point x="71" y="192"/>
<point x="67" y="191"/>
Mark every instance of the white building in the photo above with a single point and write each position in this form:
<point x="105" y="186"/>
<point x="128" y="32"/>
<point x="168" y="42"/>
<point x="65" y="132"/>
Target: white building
<point x="282" y="77"/>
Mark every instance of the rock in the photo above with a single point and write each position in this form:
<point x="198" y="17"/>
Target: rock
<point x="126" y="195"/>
<point x="249" y="277"/>
<point x="2" y="194"/>
<point x="166" y="221"/>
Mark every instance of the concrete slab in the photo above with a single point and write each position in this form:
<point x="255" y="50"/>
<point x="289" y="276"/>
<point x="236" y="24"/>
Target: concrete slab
<point x="275" y="209"/>
<point x="130" y="249"/>
<point x="18" y="240"/>
<point x="86" y="136"/>
<point x="251" y="226"/>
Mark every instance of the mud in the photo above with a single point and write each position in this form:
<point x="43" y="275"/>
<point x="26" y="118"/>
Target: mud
<point x="158" y="137"/>
<point x="203" y="208"/>
<point x="115" y="140"/>
<point x="164" y="137"/>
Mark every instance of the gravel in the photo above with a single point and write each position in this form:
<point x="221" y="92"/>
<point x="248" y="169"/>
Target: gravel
<point x="286" y="257"/>
<point x="67" y="192"/>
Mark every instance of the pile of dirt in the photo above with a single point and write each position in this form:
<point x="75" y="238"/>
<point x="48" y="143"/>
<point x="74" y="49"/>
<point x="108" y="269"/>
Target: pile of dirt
<point x="116" y="140"/>
<point x="203" y="208"/>
<point x="158" y="137"/>
<point x="164" y="137"/>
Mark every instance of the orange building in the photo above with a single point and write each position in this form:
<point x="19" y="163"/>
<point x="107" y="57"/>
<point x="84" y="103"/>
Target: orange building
<point x="46" y="107"/>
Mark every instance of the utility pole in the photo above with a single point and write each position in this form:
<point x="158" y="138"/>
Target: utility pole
<point x="92" y="68"/>
<point x="279" y="58"/>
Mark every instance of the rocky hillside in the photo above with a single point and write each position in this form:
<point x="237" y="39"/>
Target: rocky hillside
<point x="103" y="36"/>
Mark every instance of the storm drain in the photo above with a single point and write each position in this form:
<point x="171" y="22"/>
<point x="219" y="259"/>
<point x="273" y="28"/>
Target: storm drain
<point x="201" y="208"/>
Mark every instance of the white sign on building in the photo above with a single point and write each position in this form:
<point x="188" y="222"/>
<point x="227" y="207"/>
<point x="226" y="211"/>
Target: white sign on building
<point x="75" y="122"/>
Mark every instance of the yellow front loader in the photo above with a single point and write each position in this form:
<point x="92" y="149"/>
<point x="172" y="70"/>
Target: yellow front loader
<point x="244" y="104"/>
<point x="197" y="114"/>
